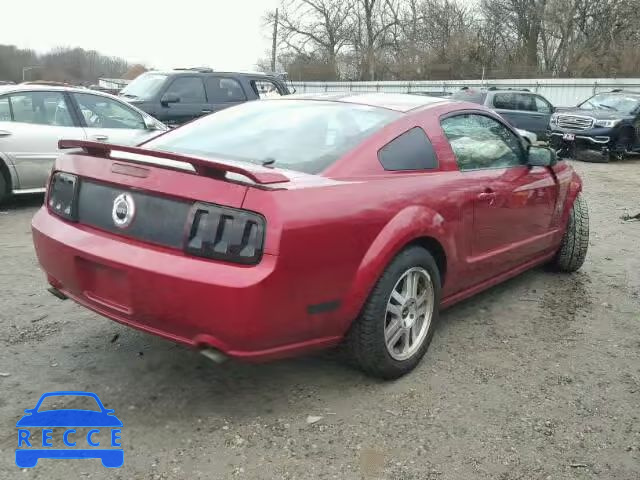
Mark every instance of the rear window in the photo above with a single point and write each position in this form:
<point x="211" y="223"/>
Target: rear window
<point x="306" y="136"/>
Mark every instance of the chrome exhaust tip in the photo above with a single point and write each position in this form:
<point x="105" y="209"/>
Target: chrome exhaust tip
<point x="215" y="355"/>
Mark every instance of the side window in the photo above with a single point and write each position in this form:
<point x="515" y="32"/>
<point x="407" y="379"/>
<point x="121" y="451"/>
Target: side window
<point x="222" y="89"/>
<point x="5" y="111"/>
<point x="480" y="142"/>
<point x="505" y="101"/>
<point x="187" y="89"/>
<point x="42" y="108"/>
<point x="542" y="105"/>
<point x="526" y="102"/>
<point x="266" y="89"/>
<point x="410" y="151"/>
<point x="104" y="112"/>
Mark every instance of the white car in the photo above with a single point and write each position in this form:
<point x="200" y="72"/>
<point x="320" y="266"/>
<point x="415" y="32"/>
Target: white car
<point x="34" y="117"/>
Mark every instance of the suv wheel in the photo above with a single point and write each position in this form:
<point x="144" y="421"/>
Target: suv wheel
<point x="575" y="242"/>
<point x="3" y="188"/>
<point x="395" y="327"/>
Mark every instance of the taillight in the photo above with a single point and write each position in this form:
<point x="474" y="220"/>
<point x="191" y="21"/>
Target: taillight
<point x="62" y="194"/>
<point x="225" y="233"/>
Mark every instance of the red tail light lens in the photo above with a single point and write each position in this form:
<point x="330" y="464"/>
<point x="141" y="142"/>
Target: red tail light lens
<point x="62" y="195"/>
<point x="225" y="234"/>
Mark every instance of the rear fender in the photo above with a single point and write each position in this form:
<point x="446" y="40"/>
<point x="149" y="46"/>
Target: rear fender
<point x="406" y="226"/>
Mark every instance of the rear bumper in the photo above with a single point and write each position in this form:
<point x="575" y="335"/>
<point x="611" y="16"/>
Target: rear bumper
<point x="244" y="311"/>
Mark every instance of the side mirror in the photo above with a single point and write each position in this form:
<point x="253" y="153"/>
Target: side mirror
<point x="151" y="124"/>
<point x="541" y="157"/>
<point x="169" y="98"/>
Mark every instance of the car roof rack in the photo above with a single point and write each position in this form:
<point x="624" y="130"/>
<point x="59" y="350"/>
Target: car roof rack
<point x="494" y="88"/>
<point x="196" y="69"/>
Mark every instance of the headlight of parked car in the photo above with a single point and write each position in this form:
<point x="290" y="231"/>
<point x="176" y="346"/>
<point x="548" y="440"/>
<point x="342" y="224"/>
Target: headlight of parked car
<point x="607" y="123"/>
<point x="63" y="190"/>
<point x="553" y="120"/>
<point x="225" y="234"/>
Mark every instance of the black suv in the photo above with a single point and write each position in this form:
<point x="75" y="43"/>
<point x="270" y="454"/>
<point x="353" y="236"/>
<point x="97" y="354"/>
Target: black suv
<point x="177" y="96"/>
<point x="521" y="108"/>
<point x="607" y="122"/>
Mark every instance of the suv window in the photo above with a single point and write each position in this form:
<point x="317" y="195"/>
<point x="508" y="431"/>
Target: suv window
<point x="526" y="102"/>
<point x="266" y="88"/>
<point x="410" y="151"/>
<point x="505" y="101"/>
<point x="542" y="105"/>
<point x="223" y="89"/>
<point x="187" y="89"/>
<point x="480" y="142"/>
<point x="104" y="112"/>
<point x="42" y="108"/>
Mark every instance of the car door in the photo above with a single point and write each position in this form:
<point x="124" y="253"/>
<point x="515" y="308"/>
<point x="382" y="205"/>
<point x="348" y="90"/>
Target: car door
<point x="223" y="92"/>
<point x="512" y="204"/>
<point x="38" y="119"/>
<point x="183" y="100"/>
<point x="541" y="117"/>
<point x="517" y="108"/>
<point x="108" y="120"/>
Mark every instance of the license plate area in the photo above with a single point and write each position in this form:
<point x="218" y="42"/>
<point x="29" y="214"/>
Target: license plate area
<point x="105" y="285"/>
<point x="570" y="137"/>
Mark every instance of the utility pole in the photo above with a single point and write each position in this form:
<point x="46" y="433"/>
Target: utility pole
<point x="273" y="44"/>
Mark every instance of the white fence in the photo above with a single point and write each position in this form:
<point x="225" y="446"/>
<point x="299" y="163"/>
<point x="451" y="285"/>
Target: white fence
<point x="562" y="92"/>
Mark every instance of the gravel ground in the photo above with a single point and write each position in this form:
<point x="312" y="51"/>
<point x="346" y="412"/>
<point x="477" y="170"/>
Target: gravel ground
<point x="538" y="378"/>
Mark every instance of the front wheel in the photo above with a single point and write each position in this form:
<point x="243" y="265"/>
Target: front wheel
<point x="395" y="327"/>
<point x="3" y="188"/>
<point x="575" y="242"/>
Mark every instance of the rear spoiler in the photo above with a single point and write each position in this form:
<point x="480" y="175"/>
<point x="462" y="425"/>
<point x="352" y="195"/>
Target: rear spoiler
<point x="202" y="166"/>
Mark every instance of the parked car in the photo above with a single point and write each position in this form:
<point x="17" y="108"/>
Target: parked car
<point x="178" y="96"/>
<point x="34" y="117"/>
<point x="278" y="227"/>
<point x="607" y="122"/>
<point x="522" y="108"/>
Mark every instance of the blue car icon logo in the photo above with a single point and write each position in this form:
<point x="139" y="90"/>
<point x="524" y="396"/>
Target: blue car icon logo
<point x="103" y="430"/>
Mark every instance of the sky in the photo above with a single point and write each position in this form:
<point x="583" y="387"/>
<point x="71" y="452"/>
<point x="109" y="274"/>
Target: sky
<point x="222" y="34"/>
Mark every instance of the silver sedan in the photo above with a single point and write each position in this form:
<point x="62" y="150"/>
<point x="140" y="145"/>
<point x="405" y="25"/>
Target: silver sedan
<point x="34" y="117"/>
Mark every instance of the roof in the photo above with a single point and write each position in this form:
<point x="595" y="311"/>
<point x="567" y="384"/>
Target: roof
<point x="187" y="71"/>
<point x="400" y="102"/>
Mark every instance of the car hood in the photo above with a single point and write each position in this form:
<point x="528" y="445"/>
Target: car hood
<point x="598" y="113"/>
<point x="69" y="418"/>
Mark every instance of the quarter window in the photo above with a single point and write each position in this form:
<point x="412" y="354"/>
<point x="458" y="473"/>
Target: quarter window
<point x="266" y="89"/>
<point x="410" y="151"/>
<point x="187" y="89"/>
<point x="104" y="112"/>
<point x="505" y="101"/>
<point x="42" y="108"/>
<point x="5" y="111"/>
<point x="480" y="142"/>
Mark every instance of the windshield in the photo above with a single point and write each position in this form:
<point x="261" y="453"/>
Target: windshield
<point x="305" y="136"/>
<point x="144" y="87"/>
<point x="615" y="102"/>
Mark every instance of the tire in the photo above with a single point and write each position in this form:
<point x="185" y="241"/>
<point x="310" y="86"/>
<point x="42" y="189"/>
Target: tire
<point x="575" y="242"/>
<point x="3" y="188"/>
<point x="593" y="156"/>
<point x="366" y="341"/>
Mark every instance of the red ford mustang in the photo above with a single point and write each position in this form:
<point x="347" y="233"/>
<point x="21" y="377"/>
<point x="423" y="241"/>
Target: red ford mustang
<point x="282" y="226"/>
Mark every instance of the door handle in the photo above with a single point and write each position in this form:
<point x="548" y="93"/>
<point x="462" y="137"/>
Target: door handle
<point x="207" y="111"/>
<point x="4" y="133"/>
<point x="101" y="138"/>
